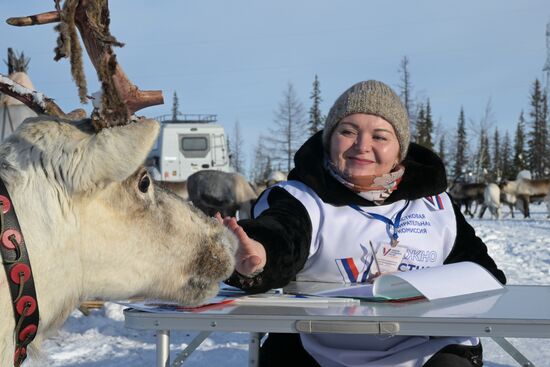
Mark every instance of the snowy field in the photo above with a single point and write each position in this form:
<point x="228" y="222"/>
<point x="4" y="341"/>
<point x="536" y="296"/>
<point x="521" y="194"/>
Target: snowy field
<point x="519" y="246"/>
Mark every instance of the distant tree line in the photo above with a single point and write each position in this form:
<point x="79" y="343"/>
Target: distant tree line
<point x="474" y="151"/>
<point x="498" y="157"/>
<point x="482" y="153"/>
<point x="291" y="128"/>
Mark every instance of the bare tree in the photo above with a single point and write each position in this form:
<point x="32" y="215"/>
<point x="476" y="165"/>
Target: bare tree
<point x="260" y="168"/>
<point x="405" y="88"/>
<point x="289" y="129"/>
<point x="237" y="156"/>
<point x="482" y="156"/>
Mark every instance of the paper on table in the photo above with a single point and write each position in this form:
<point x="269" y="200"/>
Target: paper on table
<point x="432" y="283"/>
<point x="438" y="282"/>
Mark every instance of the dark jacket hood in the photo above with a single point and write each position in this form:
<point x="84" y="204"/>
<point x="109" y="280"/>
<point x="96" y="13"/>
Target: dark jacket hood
<point x="424" y="175"/>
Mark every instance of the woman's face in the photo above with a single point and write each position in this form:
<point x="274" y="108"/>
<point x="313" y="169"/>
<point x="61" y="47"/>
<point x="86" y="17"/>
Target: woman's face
<point x="364" y="145"/>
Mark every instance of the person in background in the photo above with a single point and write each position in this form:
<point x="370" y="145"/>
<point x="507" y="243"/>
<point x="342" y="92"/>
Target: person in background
<point x="359" y="188"/>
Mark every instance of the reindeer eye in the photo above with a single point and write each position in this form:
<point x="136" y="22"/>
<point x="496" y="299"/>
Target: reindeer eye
<point x="144" y="183"/>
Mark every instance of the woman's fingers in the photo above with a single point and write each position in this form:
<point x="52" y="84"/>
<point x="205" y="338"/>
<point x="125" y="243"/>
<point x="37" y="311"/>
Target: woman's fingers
<point x="229" y="222"/>
<point x="241" y="234"/>
<point x="250" y="254"/>
<point x="233" y="226"/>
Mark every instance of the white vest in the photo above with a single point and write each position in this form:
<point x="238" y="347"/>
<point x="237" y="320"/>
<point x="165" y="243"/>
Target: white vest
<point x="340" y="252"/>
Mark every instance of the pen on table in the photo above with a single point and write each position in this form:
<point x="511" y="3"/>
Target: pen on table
<point x="374" y="256"/>
<point x="295" y="299"/>
<point x="316" y="298"/>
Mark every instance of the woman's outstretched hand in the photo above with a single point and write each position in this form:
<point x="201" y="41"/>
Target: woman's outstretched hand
<point x="251" y="256"/>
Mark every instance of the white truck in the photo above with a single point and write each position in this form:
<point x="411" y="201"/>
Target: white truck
<point x="189" y="144"/>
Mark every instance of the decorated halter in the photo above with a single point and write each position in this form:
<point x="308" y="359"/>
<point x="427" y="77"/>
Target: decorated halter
<point x="15" y="259"/>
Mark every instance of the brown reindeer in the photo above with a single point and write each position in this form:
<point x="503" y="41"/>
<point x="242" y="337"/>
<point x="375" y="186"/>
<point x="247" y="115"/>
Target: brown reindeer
<point x="525" y="191"/>
<point x="466" y="194"/>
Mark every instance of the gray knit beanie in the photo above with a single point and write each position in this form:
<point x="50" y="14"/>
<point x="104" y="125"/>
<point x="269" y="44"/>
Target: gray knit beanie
<point x="374" y="98"/>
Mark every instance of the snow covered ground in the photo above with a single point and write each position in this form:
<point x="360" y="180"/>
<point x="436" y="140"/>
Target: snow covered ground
<point x="521" y="247"/>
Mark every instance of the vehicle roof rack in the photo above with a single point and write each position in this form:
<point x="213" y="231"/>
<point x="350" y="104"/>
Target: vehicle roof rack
<point x="187" y="118"/>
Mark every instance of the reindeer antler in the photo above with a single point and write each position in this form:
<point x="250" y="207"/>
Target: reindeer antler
<point x="120" y="97"/>
<point x="42" y="18"/>
<point x="36" y="101"/>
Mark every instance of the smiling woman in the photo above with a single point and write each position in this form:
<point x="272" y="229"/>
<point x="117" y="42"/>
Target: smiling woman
<point x="354" y="184"/>
<point x="367" y="136"/>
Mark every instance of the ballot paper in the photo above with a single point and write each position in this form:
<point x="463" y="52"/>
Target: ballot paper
<point x="450" y="280"/>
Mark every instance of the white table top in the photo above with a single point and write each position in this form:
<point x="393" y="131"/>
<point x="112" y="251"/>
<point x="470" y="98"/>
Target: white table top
<point x="519" y="311"/>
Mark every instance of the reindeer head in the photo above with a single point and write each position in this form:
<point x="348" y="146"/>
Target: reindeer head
<point x="91" y="200"/>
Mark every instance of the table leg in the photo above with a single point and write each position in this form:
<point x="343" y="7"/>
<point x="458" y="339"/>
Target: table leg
<point x="513" y="352"/>
<point x="163" y="348"/>
<point x="180" y="358"/>
<point x="254" y="349"/>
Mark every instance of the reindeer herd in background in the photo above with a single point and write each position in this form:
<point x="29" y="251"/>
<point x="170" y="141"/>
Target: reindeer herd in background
<point x="231" y="194"/>
<point x="516" y="194"/>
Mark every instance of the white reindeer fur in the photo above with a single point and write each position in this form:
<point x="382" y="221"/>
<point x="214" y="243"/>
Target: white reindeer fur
<point x="491" y="199"/>
<point x="92" y="234"/>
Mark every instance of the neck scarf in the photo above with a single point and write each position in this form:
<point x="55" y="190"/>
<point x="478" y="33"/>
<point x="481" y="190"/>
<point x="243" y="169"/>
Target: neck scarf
<point x="371" y="187"/>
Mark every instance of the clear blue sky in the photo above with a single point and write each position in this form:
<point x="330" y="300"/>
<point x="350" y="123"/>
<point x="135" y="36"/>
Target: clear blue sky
<point x="235" y="58"/>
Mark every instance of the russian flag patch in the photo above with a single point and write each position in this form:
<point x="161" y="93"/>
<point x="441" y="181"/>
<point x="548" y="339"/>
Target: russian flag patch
<point x="434" y="202"/>
<point x="350" y="272"/>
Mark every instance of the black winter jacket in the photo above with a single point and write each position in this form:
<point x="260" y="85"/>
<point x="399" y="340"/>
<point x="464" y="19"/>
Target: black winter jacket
<point x="285" y="228"/>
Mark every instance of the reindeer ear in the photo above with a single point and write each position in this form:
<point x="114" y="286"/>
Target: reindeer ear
<point x="113" y="154"/>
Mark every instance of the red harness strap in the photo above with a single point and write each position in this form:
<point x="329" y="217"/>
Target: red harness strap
<point x="15" y="259"/>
